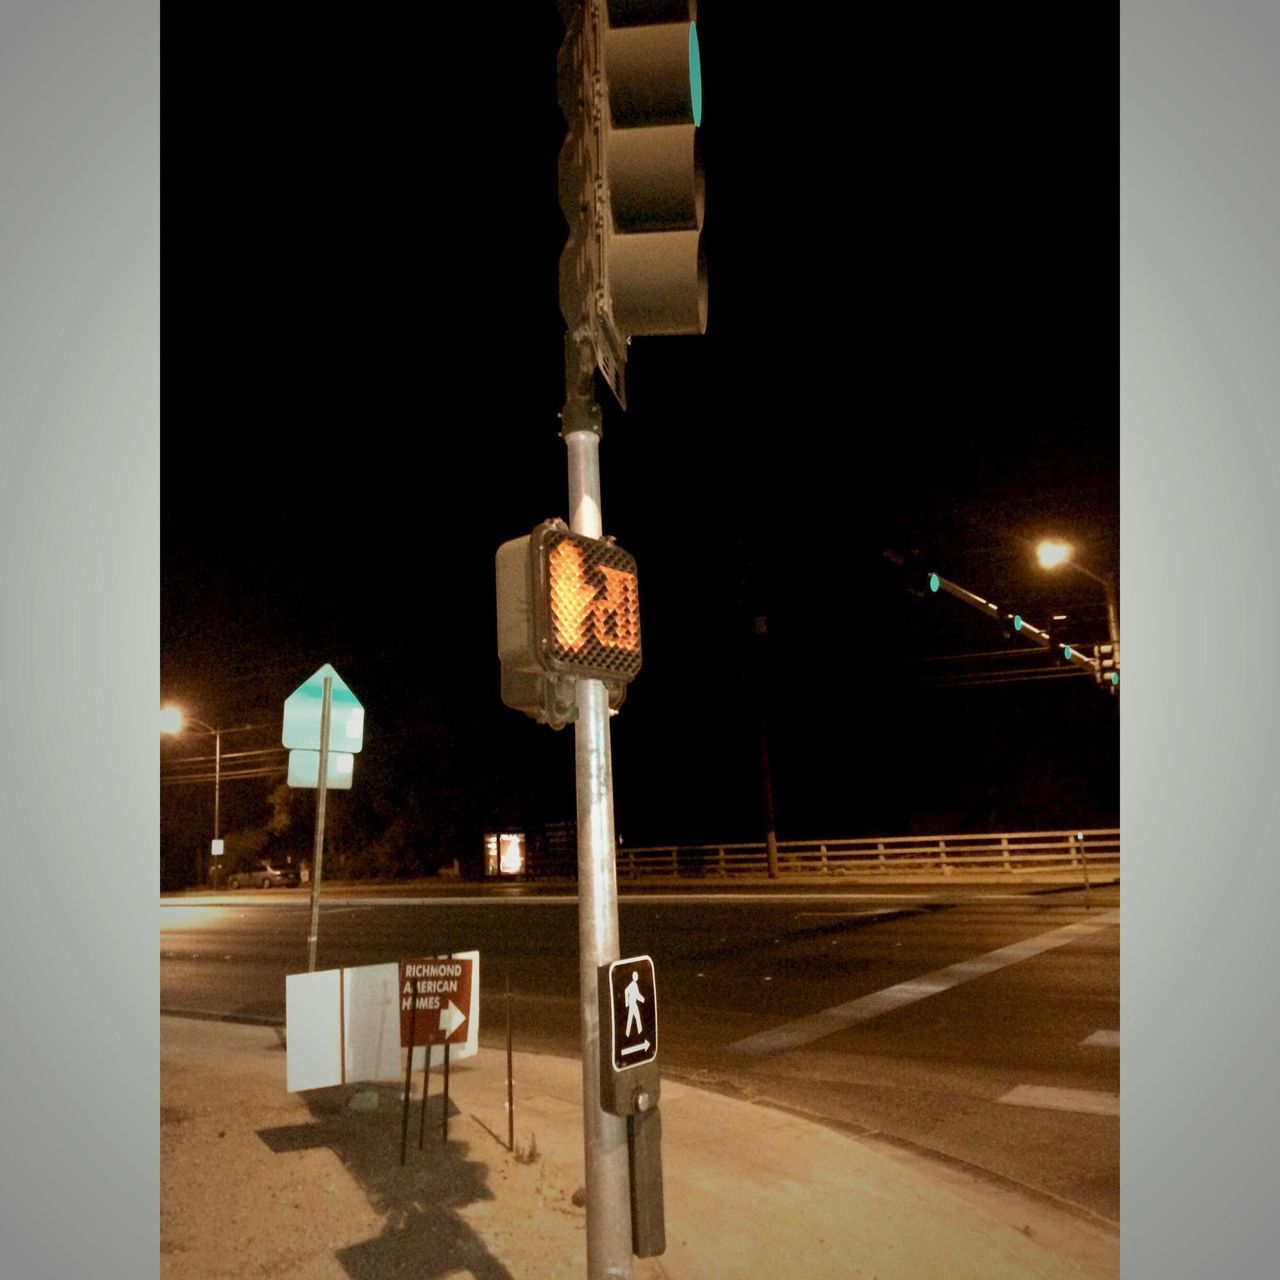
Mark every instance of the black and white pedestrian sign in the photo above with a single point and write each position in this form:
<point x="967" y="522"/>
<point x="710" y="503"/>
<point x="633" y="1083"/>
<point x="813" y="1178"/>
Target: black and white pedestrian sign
<point x="633" y="1001"/>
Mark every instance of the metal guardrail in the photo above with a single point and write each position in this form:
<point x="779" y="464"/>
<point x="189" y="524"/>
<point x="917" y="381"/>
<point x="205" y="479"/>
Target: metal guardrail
<point x="1003" y="853"/>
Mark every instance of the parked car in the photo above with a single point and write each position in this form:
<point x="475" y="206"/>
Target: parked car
<point x="262" y="875"/>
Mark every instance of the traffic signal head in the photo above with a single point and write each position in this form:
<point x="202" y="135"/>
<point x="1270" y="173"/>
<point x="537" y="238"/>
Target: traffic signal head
<point x="655" y="272"/>
<point x="568" y="608"/>
<point x="631" y="185"/>
<point x="1108" y="664"/>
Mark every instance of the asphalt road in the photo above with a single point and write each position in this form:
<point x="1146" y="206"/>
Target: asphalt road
<point x="978" y="1025"/>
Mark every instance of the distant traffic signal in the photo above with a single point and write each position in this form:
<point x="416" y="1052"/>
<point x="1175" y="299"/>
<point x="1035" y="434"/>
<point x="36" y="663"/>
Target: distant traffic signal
<point x="1108" y="664"/>
<point x="631" y="184"/>
<point x="568" y="607"/>
<point x="1104" y="664"/>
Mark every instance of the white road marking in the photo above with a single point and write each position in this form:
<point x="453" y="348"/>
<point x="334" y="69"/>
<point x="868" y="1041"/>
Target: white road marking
<point x="1104" y="1039"/>
<point x="842" y="1016"/>
<point x="329" y="904"/>
<point x="846" y="915"/>
<point x="1083" y="1101"/>
<point x="570" y="899"/>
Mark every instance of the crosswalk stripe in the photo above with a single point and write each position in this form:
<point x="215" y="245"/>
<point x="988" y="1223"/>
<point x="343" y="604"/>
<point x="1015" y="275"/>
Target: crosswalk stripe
<point x="1083" y="1101"/>
<point x="842" y="1016"/>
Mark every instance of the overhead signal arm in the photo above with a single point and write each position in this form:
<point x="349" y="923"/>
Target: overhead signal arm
<point x="1100" y="666"/>
<point x="990" y="610"/>
<point x="1073" y="655"/>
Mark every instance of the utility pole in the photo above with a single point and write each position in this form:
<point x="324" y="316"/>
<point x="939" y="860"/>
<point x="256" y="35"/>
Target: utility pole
<point x="762" y="737"/>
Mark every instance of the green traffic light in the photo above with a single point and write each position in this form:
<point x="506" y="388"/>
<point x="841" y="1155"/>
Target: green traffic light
<point x="1115" y="677"/>
<point x="1066" y="652"/>
<point x="1017" y="622"/>
<point x="933" y="582"/>
<point x="695" y="74"/>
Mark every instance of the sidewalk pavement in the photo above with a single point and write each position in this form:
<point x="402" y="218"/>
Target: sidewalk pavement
<point x="256" y="1181"/>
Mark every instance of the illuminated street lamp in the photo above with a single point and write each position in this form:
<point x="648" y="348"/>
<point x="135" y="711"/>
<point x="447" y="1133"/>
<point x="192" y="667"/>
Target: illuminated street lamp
<point x="1051" y="554"/>
<point x="173" y="720"/>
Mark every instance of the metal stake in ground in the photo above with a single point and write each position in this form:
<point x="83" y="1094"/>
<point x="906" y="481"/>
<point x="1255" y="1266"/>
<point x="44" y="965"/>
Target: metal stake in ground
<point x="426" y="1086"/>
<point x="444" y="1123"/>
<point x="511" y="1100"/>
<point x="408" y="1069"/>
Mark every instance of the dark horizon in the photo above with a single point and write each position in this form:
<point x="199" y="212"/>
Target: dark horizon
<point x="911" y="348"/>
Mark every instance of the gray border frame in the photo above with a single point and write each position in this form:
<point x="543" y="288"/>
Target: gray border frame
<point x="1200" y="470"/>
<point x="79" y="498"/>
<point x="79" y="492"/>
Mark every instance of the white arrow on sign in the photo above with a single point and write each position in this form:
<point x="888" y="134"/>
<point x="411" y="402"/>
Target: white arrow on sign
<point x="635" y="1048"/>
<point x="451" y="1018"/>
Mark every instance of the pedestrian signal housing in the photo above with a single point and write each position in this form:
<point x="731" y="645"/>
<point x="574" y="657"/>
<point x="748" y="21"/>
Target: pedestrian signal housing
<point x="568" y="609"/>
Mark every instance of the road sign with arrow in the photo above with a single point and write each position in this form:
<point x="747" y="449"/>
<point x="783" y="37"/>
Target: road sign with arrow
<point x="437" y="999"/>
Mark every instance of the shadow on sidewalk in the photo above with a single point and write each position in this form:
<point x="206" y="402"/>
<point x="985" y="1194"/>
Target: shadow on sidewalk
<point x="423" y="1235"/>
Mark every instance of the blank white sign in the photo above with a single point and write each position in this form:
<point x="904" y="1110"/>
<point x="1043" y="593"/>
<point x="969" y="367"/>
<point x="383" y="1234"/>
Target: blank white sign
<point x="342" y="1026"/>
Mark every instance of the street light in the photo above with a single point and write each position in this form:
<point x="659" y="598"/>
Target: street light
<point x="173" y="720"/>
<point x="1051" y="554"/>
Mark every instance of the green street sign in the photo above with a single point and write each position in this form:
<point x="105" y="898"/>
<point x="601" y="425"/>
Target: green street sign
<point x="304" y="770"/>
<point x="302" y="710"/>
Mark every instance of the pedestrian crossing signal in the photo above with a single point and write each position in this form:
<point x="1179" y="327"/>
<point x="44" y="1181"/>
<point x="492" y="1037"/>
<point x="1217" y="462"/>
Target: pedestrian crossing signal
<point x="589" y="606"/>
<point x="568" y="608"/>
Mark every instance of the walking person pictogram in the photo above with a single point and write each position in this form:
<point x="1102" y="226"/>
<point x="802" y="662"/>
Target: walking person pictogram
<point x="633" y="1000"/>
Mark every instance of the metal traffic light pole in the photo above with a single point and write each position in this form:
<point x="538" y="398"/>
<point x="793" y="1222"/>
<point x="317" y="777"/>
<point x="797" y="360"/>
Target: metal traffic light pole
<point x="608" y="1176"/>
<point x="629" y="83"/>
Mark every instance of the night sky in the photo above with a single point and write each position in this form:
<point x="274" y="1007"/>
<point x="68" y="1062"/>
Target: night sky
<point x="911" y="348"/>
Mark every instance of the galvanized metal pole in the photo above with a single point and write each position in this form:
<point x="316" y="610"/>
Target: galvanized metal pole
<point x="604" y="1135"/>
<point x="217" y="782"/>
<point x="1113" y="623"/>
<point x="317" y="855"/>
<point x="1108" y="584"/>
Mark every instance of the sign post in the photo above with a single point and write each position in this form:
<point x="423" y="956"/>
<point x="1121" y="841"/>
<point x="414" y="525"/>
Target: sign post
<point x="317" y="853"/>
<point x="311" y="731"/>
